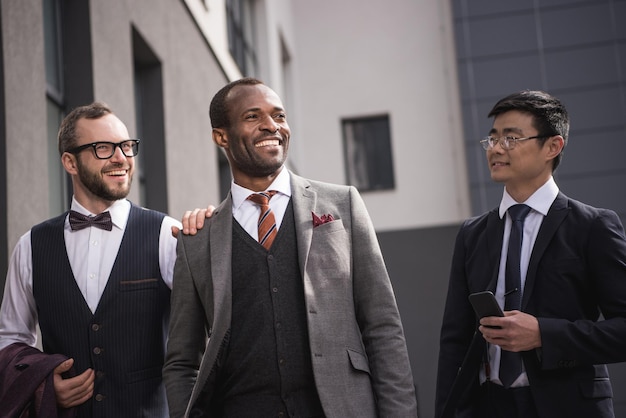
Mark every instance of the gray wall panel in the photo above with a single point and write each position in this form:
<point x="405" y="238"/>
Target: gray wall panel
<point x="418" y="262"/>
<point x="601" y="190"/>
<point x="594" y="108"/>
<point x="583" y="147"/>
<point x="601" y="61"/>
<point x="619" y="11"/>
<point x="482" y="7"/>
<point x="494" y="76"/>
<point x="500" y="34"/>
<point x="583" y="24"/>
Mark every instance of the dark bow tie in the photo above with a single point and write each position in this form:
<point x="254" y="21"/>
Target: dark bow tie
<point x="79" y="221"/>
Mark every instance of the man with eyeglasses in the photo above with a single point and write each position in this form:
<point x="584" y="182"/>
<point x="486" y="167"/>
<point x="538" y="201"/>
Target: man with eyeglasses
<point x="96" y="279"/>
<point x="558" y="271"/>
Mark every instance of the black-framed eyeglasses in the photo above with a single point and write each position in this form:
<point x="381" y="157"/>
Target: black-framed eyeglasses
<point x="506" y="142"/>
<point x="105" y="150"/>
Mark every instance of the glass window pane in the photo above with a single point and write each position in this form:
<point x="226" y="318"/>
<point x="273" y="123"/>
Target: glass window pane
<point x="52" y="46"/>
<point x="367" y="145"/>
<point x="241" y="19"/>
<point x="57" y="184"/>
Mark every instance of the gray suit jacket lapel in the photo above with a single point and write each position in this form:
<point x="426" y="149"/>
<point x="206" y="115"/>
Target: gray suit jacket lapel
<point x="220" y="242"/>
<point x="220" y="246"/>
<point x="303" y="199"/>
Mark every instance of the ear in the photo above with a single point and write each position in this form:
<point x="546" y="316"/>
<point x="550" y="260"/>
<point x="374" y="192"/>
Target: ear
<point x="554" y="146"/>
<point x="220" y="137"/>
<point x="69" y="163"/>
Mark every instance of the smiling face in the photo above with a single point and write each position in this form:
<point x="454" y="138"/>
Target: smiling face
<point x="528" y="165"/>
<point x="257" y="140"/>
<point x="98" y="183"/>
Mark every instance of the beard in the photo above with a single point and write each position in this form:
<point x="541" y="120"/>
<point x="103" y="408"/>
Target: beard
<point x="260" y="168"/>
<point x="96" y="185"/>
<point x="245" y="157"/>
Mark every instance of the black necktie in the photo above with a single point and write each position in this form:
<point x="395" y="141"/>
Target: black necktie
<point x="510" y="362"/>
<point x="79" y="221"/>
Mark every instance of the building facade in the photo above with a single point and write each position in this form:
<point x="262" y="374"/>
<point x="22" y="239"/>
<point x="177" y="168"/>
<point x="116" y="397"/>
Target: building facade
<point x="389" y="96"/>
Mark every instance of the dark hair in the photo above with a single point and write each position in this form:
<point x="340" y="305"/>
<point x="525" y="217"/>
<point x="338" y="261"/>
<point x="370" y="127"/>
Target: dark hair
<point x="550" y="117"/>
<point x="218" y="111"/>
<point x="67" y="137"/>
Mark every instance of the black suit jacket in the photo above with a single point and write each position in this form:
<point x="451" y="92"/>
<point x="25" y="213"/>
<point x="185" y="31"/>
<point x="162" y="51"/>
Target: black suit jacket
<point x="575" y="286"/>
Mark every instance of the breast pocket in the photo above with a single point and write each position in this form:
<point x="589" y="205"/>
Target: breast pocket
<point x="141" y="284"/>
<point x="330" y="250"/>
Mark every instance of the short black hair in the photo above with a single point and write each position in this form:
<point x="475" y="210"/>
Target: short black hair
<point x="218" y="111"/>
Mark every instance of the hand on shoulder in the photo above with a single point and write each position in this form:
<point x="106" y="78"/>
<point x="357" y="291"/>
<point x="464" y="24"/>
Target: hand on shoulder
<point x="193" y="220"/>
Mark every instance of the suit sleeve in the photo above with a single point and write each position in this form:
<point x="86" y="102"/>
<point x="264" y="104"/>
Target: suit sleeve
<point x="592" y="272"/>
<point x="187" y="334"/>
<point x="379" y="319"/>
<point x="18" y="313"/>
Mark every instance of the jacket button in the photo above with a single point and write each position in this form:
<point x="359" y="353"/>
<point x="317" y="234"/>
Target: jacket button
<point x="97" y="350"/>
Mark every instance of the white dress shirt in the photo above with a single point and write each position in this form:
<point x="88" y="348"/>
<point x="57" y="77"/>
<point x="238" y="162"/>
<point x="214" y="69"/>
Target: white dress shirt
<point x="540" y="203"/>
<point x="91" y="252"/>
<point x="246" y="212"/>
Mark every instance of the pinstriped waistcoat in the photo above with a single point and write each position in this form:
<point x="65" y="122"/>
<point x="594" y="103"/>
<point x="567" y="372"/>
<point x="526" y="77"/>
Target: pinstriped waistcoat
<point x="124" y="340"/>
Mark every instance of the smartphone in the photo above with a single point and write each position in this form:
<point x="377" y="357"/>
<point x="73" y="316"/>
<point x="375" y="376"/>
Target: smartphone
<point x="485" y="304"/>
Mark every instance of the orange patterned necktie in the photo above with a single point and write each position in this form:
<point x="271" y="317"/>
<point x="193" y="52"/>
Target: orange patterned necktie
<point x="267" y="223"/>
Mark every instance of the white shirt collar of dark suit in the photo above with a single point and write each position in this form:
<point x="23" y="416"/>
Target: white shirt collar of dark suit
<point x="540" y="201"/>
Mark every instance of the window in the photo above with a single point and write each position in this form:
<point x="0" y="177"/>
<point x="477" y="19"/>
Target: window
<point x="58" y="181"/>
<point x="367" y="148"/>
<point x="151" y="167"/>
<point x="240" y="16"/>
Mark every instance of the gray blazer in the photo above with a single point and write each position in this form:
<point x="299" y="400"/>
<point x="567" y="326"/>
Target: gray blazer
<point x="358" y="350"/>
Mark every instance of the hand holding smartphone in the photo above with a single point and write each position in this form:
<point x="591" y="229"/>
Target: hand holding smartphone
<point x="485" y="304"/>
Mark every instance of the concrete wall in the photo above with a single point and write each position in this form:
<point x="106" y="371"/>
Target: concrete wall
<point x="25" y="113"/>
<point x="395" y="57"/>
<point x="418" y="261"/>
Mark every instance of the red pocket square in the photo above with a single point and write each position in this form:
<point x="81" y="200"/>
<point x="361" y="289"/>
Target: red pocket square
<point x="319" y="220"/>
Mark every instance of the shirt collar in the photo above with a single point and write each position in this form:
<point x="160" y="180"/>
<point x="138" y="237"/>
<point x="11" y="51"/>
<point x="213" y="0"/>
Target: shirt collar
<point x="540" y="201"/>
<point x="119" y="210"/>
<point x="281" y="183"/>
